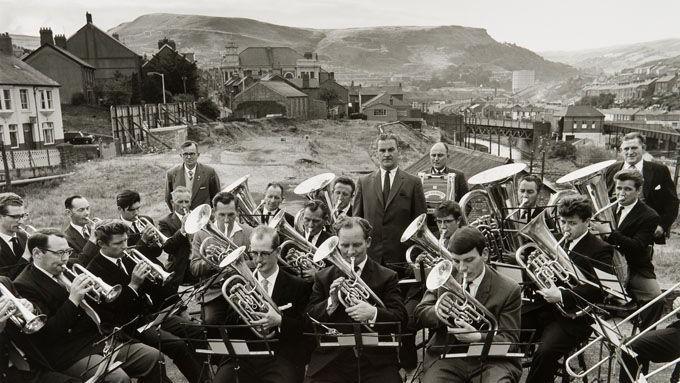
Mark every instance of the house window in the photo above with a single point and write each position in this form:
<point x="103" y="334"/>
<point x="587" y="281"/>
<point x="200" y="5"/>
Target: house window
<point x="380" y="112"/>
<point x="13" y="136"/>
<point x="311" y="74"/>
<point x="584" y="126"/>
<point x="48" y="132"/>
<point x="23" y="96"/>
<point x="6" y="100"/>
<point x="46" y="99"/>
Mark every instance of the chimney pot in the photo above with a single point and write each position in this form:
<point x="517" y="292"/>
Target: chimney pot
<point x="6" y="44"/>
<point x="46" y="36"/>
<point x="60" y="41"/>
<point x="88" y="17"/>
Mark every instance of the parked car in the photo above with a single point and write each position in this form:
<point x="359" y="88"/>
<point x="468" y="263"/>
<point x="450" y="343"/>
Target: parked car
<point x="78" y="138"/>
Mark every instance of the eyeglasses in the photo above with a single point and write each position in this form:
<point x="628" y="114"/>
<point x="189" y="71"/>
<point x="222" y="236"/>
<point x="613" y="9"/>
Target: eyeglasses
<point x="17" y="216"/>
<point x="189" y="154"/>
<point x="446" y="220"/>
<point x="61" y="253"/>
<point x="255" y="254"/>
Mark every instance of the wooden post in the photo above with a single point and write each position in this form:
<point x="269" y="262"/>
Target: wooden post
<point x="8" y="180"/>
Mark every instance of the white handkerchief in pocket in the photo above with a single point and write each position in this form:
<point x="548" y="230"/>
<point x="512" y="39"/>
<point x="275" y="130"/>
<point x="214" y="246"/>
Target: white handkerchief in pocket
<point x="658" y="187"/>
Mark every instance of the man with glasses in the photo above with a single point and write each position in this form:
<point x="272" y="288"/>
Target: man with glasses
<point x="178" y="246"/>
<point x="12" y="238"/>
<point x="200" y="179"/>
<point x="80" y="229"/>
<point x="290" y="294"/>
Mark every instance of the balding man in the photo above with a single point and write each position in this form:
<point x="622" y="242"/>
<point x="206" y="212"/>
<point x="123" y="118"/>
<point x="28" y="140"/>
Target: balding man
<point x="439" y="157"/>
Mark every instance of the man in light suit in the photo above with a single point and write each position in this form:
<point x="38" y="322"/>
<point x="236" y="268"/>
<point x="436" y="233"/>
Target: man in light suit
<point x="12" y="239"/>
<point x="390" y="199"/>
<point x="658" y="190"/>
<point x="200" y="179"/>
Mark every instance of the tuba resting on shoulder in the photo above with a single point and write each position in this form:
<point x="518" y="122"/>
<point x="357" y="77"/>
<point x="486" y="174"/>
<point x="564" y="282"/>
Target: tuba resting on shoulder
<point x="246" y="207"/>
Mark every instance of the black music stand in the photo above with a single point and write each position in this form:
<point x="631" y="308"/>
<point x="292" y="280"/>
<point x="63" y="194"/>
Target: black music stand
<point x="109" y="363"/>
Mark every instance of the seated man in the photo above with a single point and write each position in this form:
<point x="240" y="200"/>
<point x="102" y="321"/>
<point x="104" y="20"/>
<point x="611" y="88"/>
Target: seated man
<point x="273" y="197"/>
<point x="80" y="227"/>
<point x="315" y="216"/>
<point x="13" y="258"/>
<point x="342" y="193"/>
<point x="448" y="217"/>
<point x="500" y="295"/>
<point x="178" y="245"/>
<point x="70" y="340"/>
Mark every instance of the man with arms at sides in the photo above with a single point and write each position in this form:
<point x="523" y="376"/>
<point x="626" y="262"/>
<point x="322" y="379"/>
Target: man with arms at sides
<point x="201" y="180"/>
<point x="556" y="333"/>
<point x="141" y="297"/>
<point x="273" y="197"/>
<point x="634" y="238"/>
<point x="214" y="307"/>
<point x="70" y="340"/>
<point x="499" y="294"/>
<point x="335" y="365"/>
<point x="342" y="193"/>
<point x="12" y="239"/>
<point x="178" y="245"/>
<point x="658" y="190"/>
<point x="80" y="229"/>
<point x="439" y="158"/>
<point x="288" y="364"/>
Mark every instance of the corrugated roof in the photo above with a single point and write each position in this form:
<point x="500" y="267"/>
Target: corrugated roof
<point x="283" y="89"/>
<point x="582" y="111"/>
<point x="16" y="72"/>
<point x="466" y="160"/>
<point x="268" y="57"/>
<point x="62" y="51"/>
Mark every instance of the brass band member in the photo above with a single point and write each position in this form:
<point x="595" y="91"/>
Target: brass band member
<point x="315" y="216"/>
<point x="527" y="195"/>
<point x="499" y="294"/>
<point x="448" y="218"/>
<point x="288" y="364"/>
<point x="340" y="365"/>
<point x="178" y="245"/>
<point x="201" y="180"/>
<point x="141" y="232"/>
<point x="557" y="334"/>
<point x="69" y="339"/>
<point x="439" y="158"/>
<point x="273" y="197"/>
<point x="13" y="239"/>
<point x="80" y="229"/>
<point x="342" y="193"/>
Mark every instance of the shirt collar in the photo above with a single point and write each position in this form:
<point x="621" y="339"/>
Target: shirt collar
<point x="392" y="171"/>
<point x="270" y="279"/>
<point x="438" y="171"/>
<point x="361" y="265"/>
<point x="234" y="229"/>
<point x="53" y="277"/>
<point x="315" y="237"/>
<point x="179" y="216"/>
<point x="128" y="223"/>
<point x="111" y="259"/>
<point x="629" y="207"/>
<point x="638" y="166"/>
<point x="477" y="281"/>
<point x="79" y="229"/>
<point x="186" y="170"/>
<point x="574" y="242"/>
<point x="7" y="238"/>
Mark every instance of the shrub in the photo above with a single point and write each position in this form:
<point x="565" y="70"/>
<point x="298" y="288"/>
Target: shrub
<point x="208" y="108"/>
<point x="562" y="149"/>
<point x="77" y="98"/>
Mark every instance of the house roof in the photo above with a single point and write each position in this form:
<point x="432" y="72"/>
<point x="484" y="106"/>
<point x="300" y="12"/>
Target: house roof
<point x="384" y="98"/>
<point x="666" y="78"/>
<point x="268" y="57"/>
<point x="282" y="88"/>
<point x="582" y="111"/>
<point x="64" y="52"/>
<point x="97" y="30"/>
<point x="16" y="72"/>
<point x="369" y="90"/>
<point x="163" y="48"/>
<point x="623" y="111"/>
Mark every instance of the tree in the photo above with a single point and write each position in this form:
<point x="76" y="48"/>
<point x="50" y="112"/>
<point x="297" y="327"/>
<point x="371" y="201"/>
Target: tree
<point x="179" y="74"/>
<point x="330" y="96"/>
<point x="208" y="108"/>
<point x="602" y="101"/>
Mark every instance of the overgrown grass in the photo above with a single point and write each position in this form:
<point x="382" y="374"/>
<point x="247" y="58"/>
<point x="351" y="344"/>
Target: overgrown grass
<point x="91" y="119"/>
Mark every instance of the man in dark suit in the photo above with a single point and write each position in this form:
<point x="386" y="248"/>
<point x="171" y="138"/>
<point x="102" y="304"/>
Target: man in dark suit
<point x="70" y="340"/>
<point x="557" y="333"/>
<point x="500" y="295"/>
<point x="439" y="158"/>
<point x="273" y="197"/>
<point x="80" y="228"/>
<point x="288" y="364"/>
<point x="342" y="193"/>
<point x="314" y="220"/>
<point x="201" y="179"/>
<point x="178" y="245"/>
<point x="658" y="191"/>
<point x="390" y="199"/>
<point x="634" y="238"/>
<point x="335" y="365"/>
<point x="12" y="239"/>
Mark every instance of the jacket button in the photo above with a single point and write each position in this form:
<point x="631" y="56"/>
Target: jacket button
<point x="69" y="331"/>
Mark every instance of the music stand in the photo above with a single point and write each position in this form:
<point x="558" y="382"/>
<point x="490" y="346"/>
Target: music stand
<point x="109" y="363"/>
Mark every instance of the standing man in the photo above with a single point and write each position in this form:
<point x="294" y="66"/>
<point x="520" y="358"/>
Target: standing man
<point x="273" y="196"/>
<point x="79" y="230"/>
<point x="439" y="158"/>
<point x="390" y="199"/>
<point x="658" y="190"/>
<point x="200" y="179"/>
<point x="12" y="239"/>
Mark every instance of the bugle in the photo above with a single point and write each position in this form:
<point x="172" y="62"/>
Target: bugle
<point x="21" y="316"/>
<point x="199" y="220"/>
<point x="101" y="291"/>
<point x="156" y="271"/>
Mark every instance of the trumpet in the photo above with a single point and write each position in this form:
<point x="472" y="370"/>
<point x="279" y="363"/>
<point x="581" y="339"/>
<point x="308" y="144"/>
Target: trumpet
<point x="521" y="207"/>
<point x="159" y="237"/>
<point x="93" y="221"/>
<point x="156" y="272"/>
<point x="199" y="220"/>
<point x="20" y="315"/>
<point x="102" y="291"/>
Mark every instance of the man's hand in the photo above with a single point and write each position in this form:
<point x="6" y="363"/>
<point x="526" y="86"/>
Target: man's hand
<point x="80" y="286"/>
<point x="600" y="228"/>
<point x="149" y="234"/>
<point x="333" y="300"/>
<point x="658" y="232"/>
<point x="6" y="310"/>
<point x="139" y="275"/>
<point x="465" y="332"/>
<point x="308" y="274"/>
<point x="551" y="295"/>
<point x="270" y="319"/>
<point x="362" y="312"/>
<point x="26" y="303"/>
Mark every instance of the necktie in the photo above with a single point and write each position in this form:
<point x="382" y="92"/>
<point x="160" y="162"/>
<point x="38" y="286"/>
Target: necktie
<point x="567" y="245"/>
<point x="525" y="215"/>
<point x="134" y="227"/>
<point x="265" y="286"/>
<point x="121" y="266"/>
<point x="617" y="213"/>
<point x="265" y="217"/>
<point x="16" y="247"/>
<point x="86" y="232"/>
<point x="468" y="287"/>
<point x="386" y="187"/>
<point x="191" y="175"/>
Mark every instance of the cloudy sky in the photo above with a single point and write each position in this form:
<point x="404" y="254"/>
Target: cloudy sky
<point x="539" y="25"/>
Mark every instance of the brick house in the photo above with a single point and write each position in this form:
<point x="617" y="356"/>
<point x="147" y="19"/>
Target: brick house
<point x="582" y="122"/>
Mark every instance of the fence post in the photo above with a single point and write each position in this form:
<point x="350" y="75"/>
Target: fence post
<point x="8" y="181"/>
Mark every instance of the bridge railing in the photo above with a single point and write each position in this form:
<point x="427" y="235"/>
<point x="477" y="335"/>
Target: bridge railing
<point x="502" y="123"/>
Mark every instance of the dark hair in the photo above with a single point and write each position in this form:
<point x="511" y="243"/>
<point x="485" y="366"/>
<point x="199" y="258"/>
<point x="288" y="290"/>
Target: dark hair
<point x="350" y="222"/>
<point x="276" y="185"/>
<point x="465" y="239"/>
<point x="68" y="202"/>
<point x="106" y="229"/>
<point x="9" y="199"/>
<point x="576" y="205"/>
<point x="630" y="175"/>
<point x="223" y="198"/>
<point x="634" y="136"/>
<point x="447" y="208"/>
<point x="315" y="205"/>
<point x="188" y="143"/>
<point x="264" y="231"/>
<point x="533" y="178"/>
<point x="386" y="137"/>
<point x="127" y="198"/>
<point x="40" y="238"/>
<point x="345" y="181"/>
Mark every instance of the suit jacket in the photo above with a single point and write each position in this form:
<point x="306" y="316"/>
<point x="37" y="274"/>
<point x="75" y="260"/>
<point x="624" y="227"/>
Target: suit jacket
<point x="499" y="294"/>
<point x="461" y="185"/>
<point x="383" y="282"/>
<point x="389" y="218"/>
<point x="69" y="334"/>
<point x="206" y="184"/>
<point x="658" y="191"/>
<point x="635" y="239"/>
<point x="80" y="244"/>
<point x="287" y="216"/>
<point x="12" y="264"/>
<point x="178" y="248"/>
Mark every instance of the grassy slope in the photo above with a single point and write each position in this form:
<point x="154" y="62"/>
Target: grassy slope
<point x="91" y="119"/>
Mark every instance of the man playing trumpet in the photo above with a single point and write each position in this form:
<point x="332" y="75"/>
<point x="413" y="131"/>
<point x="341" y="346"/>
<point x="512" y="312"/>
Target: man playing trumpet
<point x="80" y="231"/>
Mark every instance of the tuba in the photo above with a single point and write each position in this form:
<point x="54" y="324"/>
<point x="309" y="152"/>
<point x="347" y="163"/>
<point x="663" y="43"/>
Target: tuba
<point x="245" y="203"/>
<point x="419" y="233"/>
<point x="21" y="316"/>
<point x="211" y="251"/>
<point x="156" y="274"/>
<point x="353" y="289"/>
<point x="455" y="303"/>
<point x="316" y="187"/>
<point x="301" y="258"/>
<point x="245" y="294"/>
<point x="102" y="291"/>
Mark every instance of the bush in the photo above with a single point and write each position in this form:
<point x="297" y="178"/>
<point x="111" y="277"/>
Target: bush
<point x="562" y="149"/>
<point x="589" y="154"/>
<point x="208" y="108"/>
<point x="78" y="98"/>
<point x="358" y="116"/>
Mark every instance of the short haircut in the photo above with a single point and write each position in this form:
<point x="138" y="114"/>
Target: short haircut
<point x="68" y="202"/>
<point x="465" y="239"/>
<point x="9" y="199"/>
<point x="188" y="143"/>
<point x="447" y="208"/>
<point x="630" y="175"/>
<point x="576" y="205"/>
<point x="345" y="181"/>
<point x="276" y="185"/>
<point x="350" y="222"/>
<point x="224" y="198"/>
<point x="634" y="136"/>
<point x="106" y="229"/>
<point x="533" y="178"/>
<point x="315" y="205"/>
<point x="446" y="147"/>
<point x="387" y="137"/>
<point x="40" y="238"/>
<point x="180" y="189"/>
<point x="127" y="198"/>
<point x="263" y="231"/>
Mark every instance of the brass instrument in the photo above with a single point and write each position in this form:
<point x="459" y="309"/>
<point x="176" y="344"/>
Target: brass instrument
<point x="316" y="187"/>
<point x="199" y="220"/>
<point x="433" y="185"/>
<point x="21" y="316"/>
<point x="245" y="203"/>
<point x="93" y="221"/>
<point x="27" y="229"/>
<point x="418" y="232"/>
<point x="300" y="259"/>
<point x="455" y="303"/>
<point x="213" y="250"/>
<point x="492" y="234"/>
<point x="66" y="278"/>
<point x="156" y="271"/>
<point x="245" y="294"/>
<point x="159" y="237"/>
<point x="353" y="289"/>
<point x="101" y="291"/>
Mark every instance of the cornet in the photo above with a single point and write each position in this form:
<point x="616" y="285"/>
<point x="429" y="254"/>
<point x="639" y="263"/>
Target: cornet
<point x="156" y="272"/>
<point x="159" y="238"/>
<point x="21" y="316"/>
<point x="101" y="291"/>
<point x="27" y="229"/>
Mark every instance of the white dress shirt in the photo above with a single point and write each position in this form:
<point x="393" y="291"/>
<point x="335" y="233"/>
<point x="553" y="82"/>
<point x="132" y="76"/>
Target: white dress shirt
<point x="79" y="229"/>
<point x="270" y="280"/>
<point x="575" y="242"/>
<point x="7" y="239"/>
<point x="625" y="211"/>
<point x="189" y="183"/>
<point x="638" y="166"/>
<point x="392" y="172"/>
<point x="474" y="285"/>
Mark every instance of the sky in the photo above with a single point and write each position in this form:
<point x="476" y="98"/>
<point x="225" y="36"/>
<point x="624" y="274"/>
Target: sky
<point x="546" y="25"/>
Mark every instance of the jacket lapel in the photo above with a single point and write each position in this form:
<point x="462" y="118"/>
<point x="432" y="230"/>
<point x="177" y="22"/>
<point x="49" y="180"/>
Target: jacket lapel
<point x="398" y="180"/>
<point x="279" y="287"/>
<point x="633" y="213"/>
<point x="484" y="287"/>
<point x="377" y="188"/>
<point x="648" y="177"/>
<point x="197" y="181"/>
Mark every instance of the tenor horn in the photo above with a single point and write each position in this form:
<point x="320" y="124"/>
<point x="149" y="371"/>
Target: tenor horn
<point x="156" y="271"/>
<point x="21" y="316"/>
<point x="102" y="291"/>
<point x="245" y="203"/>
<point x="199" y="220"/>
<point x="418" y="232"/>
<point x="303" y="259"/>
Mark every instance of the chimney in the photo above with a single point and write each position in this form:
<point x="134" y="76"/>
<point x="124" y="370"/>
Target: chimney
<point x="331" y="75"/>
<point x="46" y="36"/>
<point x="88" y="17"/>
<point x="308" y="55"/>
<point x="189" y="56"/>
<point x="317" y="56"/>
<point x="60" y="41"/>
<point x="116" y="36"/>
<point x="6" y="44"/>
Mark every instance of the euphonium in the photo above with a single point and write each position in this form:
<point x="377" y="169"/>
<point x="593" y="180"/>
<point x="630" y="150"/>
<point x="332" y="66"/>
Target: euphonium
<point x="315" y="187"/>
<point x="455" y="303"/>
<point x="298" y="259"/>
<point x="245" y="294"/>
<point x="492" y="234"/>
<point x="214" y="250"/>
<point x="21" y="316"/>
<point x="353" y="289"/>
<point x="418" y="232"/>
<point x="160" y="238"/>
<point x="101" y="291"/>
<point x="156" y="271"/>
<point x="245" y="203"/>
<point x="199" y="220"/>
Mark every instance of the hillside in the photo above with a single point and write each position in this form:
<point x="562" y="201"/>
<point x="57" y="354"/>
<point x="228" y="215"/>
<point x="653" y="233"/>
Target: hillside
<point x="386" y="50"/>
